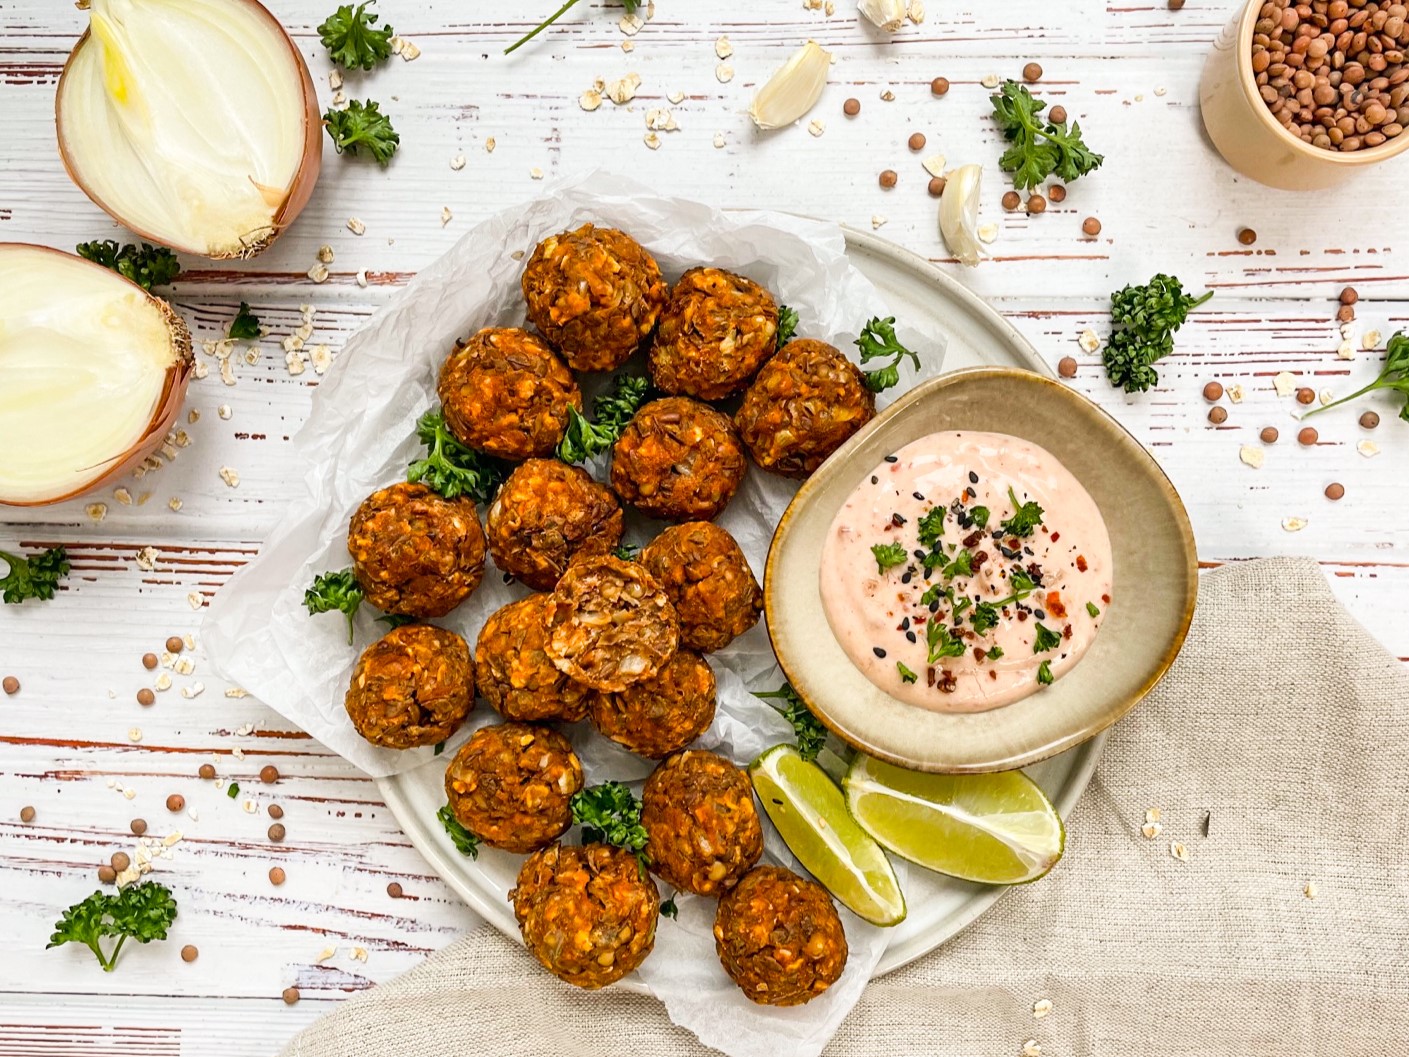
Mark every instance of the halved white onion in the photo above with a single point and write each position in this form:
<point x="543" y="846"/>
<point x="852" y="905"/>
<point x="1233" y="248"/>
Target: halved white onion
<point x="193" y="122"/>
<point x="92" y="372"/>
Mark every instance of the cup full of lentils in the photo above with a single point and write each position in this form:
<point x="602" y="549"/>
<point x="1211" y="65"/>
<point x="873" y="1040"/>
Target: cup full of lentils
<point x="1300" y="95"/>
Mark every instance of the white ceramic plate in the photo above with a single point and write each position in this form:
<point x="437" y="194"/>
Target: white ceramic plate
<point x="939" y="906"/>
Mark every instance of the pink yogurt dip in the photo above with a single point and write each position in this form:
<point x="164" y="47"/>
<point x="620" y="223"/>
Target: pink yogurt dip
<point x="986" y="587"/>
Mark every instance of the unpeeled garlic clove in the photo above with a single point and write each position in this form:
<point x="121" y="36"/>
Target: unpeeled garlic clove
<point x="888" y="15"/>
<point x="794" y="89"/>
<point x="958" y="214"/>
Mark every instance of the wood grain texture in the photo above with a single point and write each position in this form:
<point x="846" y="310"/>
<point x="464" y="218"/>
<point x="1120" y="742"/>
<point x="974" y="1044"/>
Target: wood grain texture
<point x="1128" y="73"/>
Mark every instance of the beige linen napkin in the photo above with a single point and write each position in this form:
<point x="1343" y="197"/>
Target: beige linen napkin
<point x="1283" y="730"/>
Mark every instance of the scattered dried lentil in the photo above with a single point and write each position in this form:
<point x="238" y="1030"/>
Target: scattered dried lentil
<point x="1369" y="420"/>
<point x="1066" y="367"/>
<point x="851" y="107"/>
<point x="291" y="995"/>
<point x="1032" y="72"/>
<point x="146" y="697"/>
<point x="207" y="770"/>
<point x="939" y="86"/>
<point x="936" y="186"/>
<point x="1308" y="436"/>
<point x="1057" y="114"/>
<point x="1011" y="200"/>
<point x="1218" y="415"/>
<point x="10" y="685"/>
<point x="394" y="889"/>
<point x="174" y="644"/>
<point x="1269" y="434"/>
<point x="138" y="826"/>
<point x="175" y="802"/>
<point x="1247" y="236"/>
<point x="1057" y="193"/>
<point x="1091" y="226"/>
<point x="1305" y="395"/>
<point x="1213" y="391"/>
<point x="26" y="814"/>
<point x="276" y="875"/>
<point x="889" y="178"/>
<point x="1036" y="204"/>
<point x="269" y="774"/>
<point x="120" y="861"/>
<point x="1335" y="491"/>
<point x="276" y="832"/>
<point x="1349" y="296"/>
<point x="275" y="811"/>
<point x="916" y="142"/>
<point x="189" y="953"/>
<point x="106" y="874"/>
<point x="149" y="661"/>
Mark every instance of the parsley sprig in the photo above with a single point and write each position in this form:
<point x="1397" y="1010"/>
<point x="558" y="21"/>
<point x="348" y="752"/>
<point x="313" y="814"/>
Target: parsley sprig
<point x="630" y="5"/>
<point x="787" y="325"/>
<point x="1046" y="639"/>
<point x="1040" y="148"/>
<point x="1394" y="376"/>
<point x="34" y="577"/>
<point x="145" y="265"/>
<point x="245" y="325"/>
<point x="142" y="912"/>
<point x="941" y="642"/>
<point x="878" y="341"/>
<point x="1144" y="321"/>
<point x="1026" y="516"/>
<point x="609" y="813"/>
<point x="362" y="126"/>
<point x="334" y="592"/>
<point x="889" y="555"/>
<point x="612" y="410"/>
<point x="807" y="728"/>
<point x="452" y="468"/>
<point x="352" y="38"/>
<point x="466" y="843"/>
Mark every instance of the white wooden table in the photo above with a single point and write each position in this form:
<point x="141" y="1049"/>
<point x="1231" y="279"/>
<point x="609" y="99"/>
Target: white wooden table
<point x="1129" y="73"/>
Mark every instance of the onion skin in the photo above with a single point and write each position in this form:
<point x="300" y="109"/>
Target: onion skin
<point x="300" y="190"/>
<point x="178" y="378"/>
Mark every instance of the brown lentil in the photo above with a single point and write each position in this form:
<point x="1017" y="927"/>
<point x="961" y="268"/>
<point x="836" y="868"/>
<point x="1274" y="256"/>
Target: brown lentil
<point x="937" y="184"/>
<point x="1057" y="115"/>
<point x="10" y="685"/>
<point x="1213" y="391"/>
<point x="1175" y="5"/>
<point x="290" y="995"/>
<point x="1335" y="491"/>
<point x="1067" y="367"/>
<point x="1305" y="396"/>
<point x="1346" y="313"/>
<point x="275" y="811"/>
<point x="1247" y="236"/>
<point x="1011" y="200"/>
<point x="939" y="86"/>
<point x="276" y="875"/>
<point x="1032" y="72"/>
<point x="889" y="178"/>
<point x="206" y="770"/>
<point x="1308" y="436"/>
<point x="175" y="802"/>
<point x="1091" y="226"/>
<point x="1218" y="415"/>
<point x="1036" y="204"/>
<point x="276" y="832"/>
<point x="1349" y="296"/>
<point x="174" y="644"/>
<point x="1269" y="434"/>
<point x="916" y="141"/>
<point x="120" y="861"/>
<point x="106" y="874"/>
<point x="1056" y="193"/>
<point x="1331" y="71"/>
<point x="146" y="697"/>
<point x="269" y="774"/>
<point x="26" y="814"/>
<point x="189" y="953"/>
<point x="149" y="661"/>
<point x="394" y="889"/>
<point x="851" y="107"/>
<point x="138" y="826"/>
<point x="1369" y="420"/>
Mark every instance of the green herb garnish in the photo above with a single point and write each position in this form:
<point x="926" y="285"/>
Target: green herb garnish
<point x="877" y="341"/>
<point x="668" y="909"/>
<point x="889" y="555"/>
<point x="232" y="790"/>
<point x="352" y="38"/>
<point x="1394" y="376"/>
<point x="451" y="468"/>
<point x="994" y="653"/>
<point x="395" y="620"/>
<point x="934" y="593"/>
<point x="941" y="643"/>
<point x="810" y="733"/>
<point x="985" y="617"/>
<point x="630" y="5"/>
<point x="145" y="265"/>
<point x="143" y="912"/>
<point x="334" y="592"/>
<point x="626" y="552"/>
<point x="1039" y="148"/>
<point x="906" y="675"/>
<point x="979" y="516"/>
<point x="1026" y="517"/>
<point x="1144" y="320"/>
<point x="612" y="411"/>
<point x="466" y="843"/>
<point x="932" y="527"/>
<point x="1092" y="610"/>
<point x="439" y="748"/>
<point x="363" y="126"/>
<point x="1047" y="639"/>
<point x="610" y="814"/>
<point x="245" y="325"/>
<point x="1044" y="673"/>
<point x="787" y="325"/>
<point x="34" y="577"/>
<point x="962" y="565"/>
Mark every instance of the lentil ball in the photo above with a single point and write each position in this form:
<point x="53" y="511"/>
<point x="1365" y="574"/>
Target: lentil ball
<point x="26" y="814"/>
<point x="189" y="953"/>
<point x="120" y="861"/>
<point x="546" y="513"/>
<point x="10" y="685"/>
<point x="512" y="785"/>
<point x="149" y="661"/>
<point x="1247" y="236"/>
<point x="138" y="826"/>
<point x="916" y="142"/>
<point x="1213" y="391"/>
<point x="679" y="459"/>
<point x="276" y="832"/>
<point x="175" y="802"/>
<point x="206" y="770"/>
<point x="851" y="107"/>
<point x="1091" y="226"/>
<point x="269" y="774"/>
<point x="513" y="672"/>
<point x="936" y="186"/>
<point x="703" y="827"/>
<point x="1305" y="396"/>
<point x="1218" y="415"/>
<point x="1308" y="436"/>
<point x="291" y="995"/>
<point x="715" y="331"/>
<point x="146" y="697"/>
<point x="889" y="178"/>
<point x="1269" y="434"/>
<point x="939" y="86"/>
<point x="106" y="875"/>
<point x="1369" y="420"/>
<point x="1349" y="296"/>
<point x="1011" y="200"/>
<point x="174" y="644"/>
<point x="276" y="875"/>
<point x="1032" y="72"/>
<point x="394" y="890"/>
<point x="1335" y="491"/>
<point x="1066" y="367"/>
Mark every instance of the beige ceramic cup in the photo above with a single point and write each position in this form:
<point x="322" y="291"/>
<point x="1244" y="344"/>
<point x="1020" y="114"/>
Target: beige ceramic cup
<point x="1251" y="139"/>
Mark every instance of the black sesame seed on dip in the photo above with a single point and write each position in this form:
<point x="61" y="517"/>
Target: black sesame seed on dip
<point x="973" y="477"/>
<point x="878" y="652"/>
<point x="892" y="458"/>
<point x="875" y="479"/>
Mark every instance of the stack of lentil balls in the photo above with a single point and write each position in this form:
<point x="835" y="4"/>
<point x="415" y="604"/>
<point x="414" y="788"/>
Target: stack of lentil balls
<point x="612" y="640"/>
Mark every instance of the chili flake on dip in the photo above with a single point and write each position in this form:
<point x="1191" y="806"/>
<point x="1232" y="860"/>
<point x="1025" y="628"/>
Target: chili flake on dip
<point x="966" y="571"/>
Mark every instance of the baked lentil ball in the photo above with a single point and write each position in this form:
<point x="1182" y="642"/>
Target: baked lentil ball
<point x="715" y="332"/>
<point x="678" y="460"/>
<point x="595" y="294"/>
<point x="658" y="716"/>
<point x="588" y="914"/>
<point x="708" y="580"/>
<point x="545" y="513"/>
<point x="611" y="624"/>
<point x="415" y="553"/>
<point x="803" y="405"/>
<point x="506" y="393"/>
<point x="511" y="785"/>
<point x="514" y="673"/>
<point x="702" y="827"/>
<point x="413" y="686"/>
<point x="779" y="937"/>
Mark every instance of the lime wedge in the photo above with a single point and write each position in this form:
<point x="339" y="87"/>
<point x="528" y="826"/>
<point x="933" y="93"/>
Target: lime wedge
<point x="811" y="815"/>
<point x="990" y="828"/>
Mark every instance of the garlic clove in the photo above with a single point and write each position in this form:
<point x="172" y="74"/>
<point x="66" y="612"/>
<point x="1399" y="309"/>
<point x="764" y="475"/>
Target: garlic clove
<point x="958" y="214"/>
<point x="793" y="89"/>
<point x="888" y="15"/>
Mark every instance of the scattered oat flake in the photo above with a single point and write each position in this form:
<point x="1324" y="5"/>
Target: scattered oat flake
<point x="630" y="24"/>
<point x="294" y="362"/>
<point x="1151" y="830"/>
<point x="816" y="126"/>
<point x="934" y="164"/>
<point x="250" y="807"/>
<point x="724" y="73"/>
<point x="97" y="511"/>
<point x="189" y="640"/>
<point x="1284" y="383"/>
<point x="1309" y="890"/>
<point x="123" y="496"/>
<point x="887" y="96"/>
<point x="489" y="145"/>
<point x="723" y="48"/>
<point x="184" y="666"/>
<point x="457" y="162"/>
<point x="1235" y="393"/>
<point x="446" y="216"/>
<point x="589" y="100"/>
<point x="1152" y="814"/>
<point x="163" y="682"/>
<point x="719" y="140"/>
<point x="201" y="370"/>
<point x="1178" y="851"/>
<point x="356" y="226"/>
<point x="359" y="954"/>
<point x="172" y="838"/>
<point x="322" y="358"/>
<point x="628" y="46"/>
<point x="916" y="11"/>
<point x="174" y="503"/>
<point x="409" y="51"/>
<point x="194" y="690"/>
<point x="1294" y="524"/>
<point x="1371" y="340"/>
<point x="223" y="411"/>
<point x="829" y="8"/>
<point x="230" y="476"/>
<point x="325" y="954"/>
<point x="1346" y="350"/>
<point x="878" y="221"/>
<point x="192" y="417"/>
<point x="319" y="272"/>
<point x="661" y="120"/>
<point x="1252" y="456"/>
<point x="335" y="80"/>
<point x="1368" y="448"/>
<point x="195" y="600"/>
<point x="623" y="89"/>
<point x="677" y="97"/>
<point x="1161" y="91"/>
<point x="1031" y="1049"/>
<point x="1326" y="396"/>
<point x="325" y="254"/>
<point x="987" y="233"/>
<point x="652" y="140"/>
<point x="1088" y="341"/>
<point x="340" y="100"/>
<point x="192" y="814"/>
<point x="1041" y="1008"/>
<point x="362" y="277"/>
<point x="134" y="733"/>
<point x="238" y="753"/>
<point x="991" y="81"/>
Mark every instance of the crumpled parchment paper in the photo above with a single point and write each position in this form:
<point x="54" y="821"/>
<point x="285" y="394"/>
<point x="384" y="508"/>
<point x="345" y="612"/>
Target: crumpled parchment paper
<point x="360" y="436"/>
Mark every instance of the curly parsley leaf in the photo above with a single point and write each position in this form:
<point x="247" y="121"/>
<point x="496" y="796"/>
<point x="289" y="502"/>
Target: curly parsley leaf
<point x="1144" y="320"/>
<point x="787" y="325"/>
<point x="334" y="592"/>
<point x="1092" y="610"/>
<point x="962" y="565"/>
<point x="1026" y="516"/>
<point x="979" y="515"/>
<point x="889" y="555"/>
<point x="668" y="909"/>
<point x="35" y="577"/>
<point x="934" y="593"/>
<point x="994" y="653"/>
<point x="452" y="468"/>
<point x="630" y="5"/>
<point x="1046" y="639"/>
<point x="810" y="733"/>
<point x="245" y="325"/>
<point x="352" y="38"/>
<point x="627" y="552"/>
<point x="1039" y="148"/>
<point x="609" y="813"/>
<point x="941" y="642"/>
<point x="466" y="843"/>
<point x="363" y="126"/>
<point x="1394" y="377"/>
<point x="1044" y="673"/>
<point x="612" y="411"/>
<point x="984" y="618"/>
<point x="143" y="912"/>
<point x="145" y="265"/>
<point x="932" y="527"/>
<point x="878" y="341"/>
<point x="906" y="675"/>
